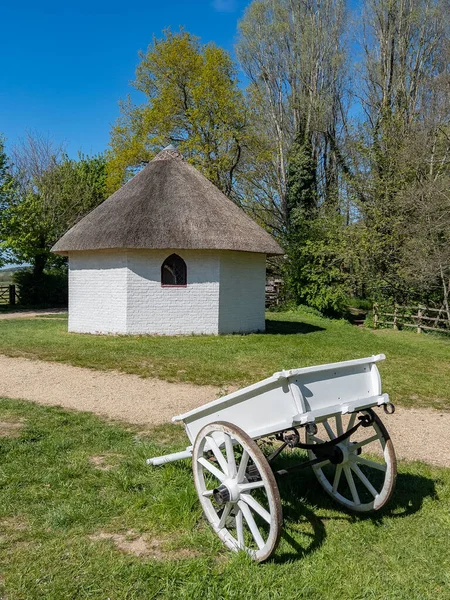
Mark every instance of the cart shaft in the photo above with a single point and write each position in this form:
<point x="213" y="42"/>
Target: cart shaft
<point x="167" y="458"/>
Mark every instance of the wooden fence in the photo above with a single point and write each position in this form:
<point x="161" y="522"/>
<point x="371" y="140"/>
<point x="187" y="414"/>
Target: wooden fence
<point x="8" y="295"/>
<point x="421" y="318"/>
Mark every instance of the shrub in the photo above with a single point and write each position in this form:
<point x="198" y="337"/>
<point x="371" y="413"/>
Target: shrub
<point x="360" y="303"/>
<point x="50" y="289"/>
<point x="319" y="257"/>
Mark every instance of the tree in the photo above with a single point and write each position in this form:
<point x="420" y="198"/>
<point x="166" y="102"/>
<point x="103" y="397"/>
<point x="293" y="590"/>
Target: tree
<point x="301" y="182"/>
<point x="425" y="257"/>
<point x="359" y="203"/>
<point x="406" y="111"/>
<point x="318" y="263"/>
<point x="193" y="100"/>
<point x="51" y="193"/>
<point x="7" y="184"/>
<point x="293" y="54"/>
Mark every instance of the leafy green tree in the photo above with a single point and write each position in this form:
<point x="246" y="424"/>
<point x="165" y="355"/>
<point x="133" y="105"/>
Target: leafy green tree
<point x="319" y="258"/>
<point x="7" y="184"/>
<point x="301" y="191"/>
<point x="193" y="100"/>
<point x="293" y="55"/>
<point x="51" y="193"/>
<point x="316" y="269"/>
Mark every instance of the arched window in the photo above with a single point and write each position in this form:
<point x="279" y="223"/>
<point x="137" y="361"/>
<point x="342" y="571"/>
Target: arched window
<point x="173" y="271"/>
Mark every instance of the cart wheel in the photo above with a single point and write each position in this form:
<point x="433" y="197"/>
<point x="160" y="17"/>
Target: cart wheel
<point x="237" y="490"/>
<point x="365" y="479"/>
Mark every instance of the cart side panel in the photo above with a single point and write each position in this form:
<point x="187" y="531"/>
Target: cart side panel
<point x="258" y="412"/>
<point x="338" y="386"/>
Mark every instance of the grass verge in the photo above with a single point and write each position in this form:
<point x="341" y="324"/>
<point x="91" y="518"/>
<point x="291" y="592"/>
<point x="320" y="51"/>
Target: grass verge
<point x="416" y="372"/>
<point x="82" y="516"/>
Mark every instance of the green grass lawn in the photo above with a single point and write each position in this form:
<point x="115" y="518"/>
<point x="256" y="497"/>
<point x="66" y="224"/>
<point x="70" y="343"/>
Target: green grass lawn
<point x="58" y="511"/>
<point x="416" y="372"/>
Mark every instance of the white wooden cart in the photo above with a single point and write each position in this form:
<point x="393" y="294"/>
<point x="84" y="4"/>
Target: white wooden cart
<point x="348" y="448"/>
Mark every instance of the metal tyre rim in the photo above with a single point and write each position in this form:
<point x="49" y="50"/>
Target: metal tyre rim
<point x="248" y="515"/>
<point x="364" y="481"/>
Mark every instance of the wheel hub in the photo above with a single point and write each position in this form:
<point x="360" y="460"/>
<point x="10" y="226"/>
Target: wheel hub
<point x="337" y="457"/>
<point x="221" y="494"/>
<point x="228" y="491"/>
<point x="340" y="454"/>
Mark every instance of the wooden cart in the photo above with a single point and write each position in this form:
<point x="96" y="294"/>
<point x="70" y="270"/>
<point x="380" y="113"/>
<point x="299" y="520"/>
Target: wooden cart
<point x="347" y="447"/>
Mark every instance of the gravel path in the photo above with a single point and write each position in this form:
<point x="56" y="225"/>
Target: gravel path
<point x="108" y="393"/>
<point x="418" y="434"/>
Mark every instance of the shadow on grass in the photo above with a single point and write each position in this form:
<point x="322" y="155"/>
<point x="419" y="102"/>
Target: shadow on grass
<point x="290" y="328"/>
<point x="296" y="512"/>
<point x="299" y="492"/>
<point x="407" y="499"/>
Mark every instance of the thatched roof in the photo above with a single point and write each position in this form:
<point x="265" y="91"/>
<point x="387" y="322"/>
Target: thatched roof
<point x="169" y="204"/>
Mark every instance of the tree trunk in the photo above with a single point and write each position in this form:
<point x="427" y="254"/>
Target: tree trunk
<point x="40" y="260"/>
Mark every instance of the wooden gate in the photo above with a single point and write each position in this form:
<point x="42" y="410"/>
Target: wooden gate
<point x="8" y="295"/>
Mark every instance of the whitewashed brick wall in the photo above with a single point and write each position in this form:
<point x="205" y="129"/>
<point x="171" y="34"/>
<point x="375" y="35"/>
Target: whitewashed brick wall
<point x="121" y="292"/>
<point x="173" y="310"/>
<point x="242" y="292"/>
<point x="98" y="292"/>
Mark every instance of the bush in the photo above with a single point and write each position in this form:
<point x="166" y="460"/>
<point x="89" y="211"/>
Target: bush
<point x="50" y="289"/>
<point x="360" y="303"/>
<point x="284" y="306"/>
<point x="292" y="306"/>
<point x="369" y="320"/>
<point x="316" y="271"/>
<point x="309" y="310"/>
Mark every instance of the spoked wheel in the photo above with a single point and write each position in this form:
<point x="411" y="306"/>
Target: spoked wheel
<point x="364" y="479"/>
<point x="237" y="490"/>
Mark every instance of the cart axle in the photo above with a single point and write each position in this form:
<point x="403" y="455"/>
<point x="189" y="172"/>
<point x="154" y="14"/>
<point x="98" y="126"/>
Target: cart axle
<point x="221" y="494"/>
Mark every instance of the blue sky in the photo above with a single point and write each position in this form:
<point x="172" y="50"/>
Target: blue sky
<point x="65" y="66"/>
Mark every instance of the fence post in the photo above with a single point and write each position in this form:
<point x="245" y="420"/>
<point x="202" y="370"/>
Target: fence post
<point x="395" y="318"/>
<point x="12" y="295"/>
<point x="419" y="319"/>
<point x="375" y="316"/>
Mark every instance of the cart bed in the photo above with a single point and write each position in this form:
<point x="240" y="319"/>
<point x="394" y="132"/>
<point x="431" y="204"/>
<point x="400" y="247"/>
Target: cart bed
<point x="295" y="397"/>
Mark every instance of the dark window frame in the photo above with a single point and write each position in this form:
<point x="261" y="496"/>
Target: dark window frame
<point x="181" y="265"/>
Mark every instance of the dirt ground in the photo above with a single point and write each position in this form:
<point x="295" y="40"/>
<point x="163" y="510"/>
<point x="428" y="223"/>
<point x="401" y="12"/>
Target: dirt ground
<point x="418" y="434"/>
<point x="108" y="393"/>
<point x="31" y="313"/>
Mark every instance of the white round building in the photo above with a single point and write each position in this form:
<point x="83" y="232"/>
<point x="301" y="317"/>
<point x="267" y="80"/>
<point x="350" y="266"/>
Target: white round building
<point x="168" y="253"/>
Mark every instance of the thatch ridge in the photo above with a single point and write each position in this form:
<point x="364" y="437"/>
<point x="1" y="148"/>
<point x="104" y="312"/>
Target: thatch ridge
<point x="169" y="204"/>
